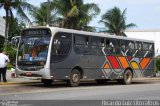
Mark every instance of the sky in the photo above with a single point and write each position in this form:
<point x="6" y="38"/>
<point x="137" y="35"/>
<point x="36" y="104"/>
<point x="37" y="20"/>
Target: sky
<point x="144" y="13"/>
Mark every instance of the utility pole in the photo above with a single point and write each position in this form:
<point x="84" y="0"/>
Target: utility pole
<point x="48" y="9"/>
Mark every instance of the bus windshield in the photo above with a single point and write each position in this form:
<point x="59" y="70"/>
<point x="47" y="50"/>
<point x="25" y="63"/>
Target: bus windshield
<point x="33" y="49"/>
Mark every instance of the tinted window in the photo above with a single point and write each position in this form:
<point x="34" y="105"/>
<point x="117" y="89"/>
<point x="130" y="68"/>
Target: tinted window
<point x="148" y="50"/>
<point x="82" y="40"/>
<point x="61" y="46"/>
<point x="138" y="49"/>
<point x="112" y="47"/>
<point x="81" y="44"/>
<point x="96" y="45"/>
<point x="127" y="48"/>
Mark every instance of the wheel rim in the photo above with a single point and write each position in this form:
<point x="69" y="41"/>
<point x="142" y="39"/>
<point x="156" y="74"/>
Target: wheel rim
<point x="128" y="77"/>
<point x="75" y="78"/>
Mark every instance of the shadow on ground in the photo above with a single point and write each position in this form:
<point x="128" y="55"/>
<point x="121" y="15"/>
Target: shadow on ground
<point x="88" y="84"/>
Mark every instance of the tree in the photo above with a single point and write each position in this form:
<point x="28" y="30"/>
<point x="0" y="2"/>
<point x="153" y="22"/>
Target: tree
<point x="158" y="63"/>
<point x="115" y="21"/>
<point x="15" y="27"/>
<point x="1" y="43"/>
<point x="75" y="14"/>
<point x="19" y="6"/>
<point x="40" y="17"/>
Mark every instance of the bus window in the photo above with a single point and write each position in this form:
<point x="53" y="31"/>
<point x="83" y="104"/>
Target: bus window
<point x="61" y="46"/>
<point x="33" y="48"/>
<point x="138" y="49"/>
<point x="123" y="47"/>
<point x="145" y="46"/>
<point x="81" y="40"/>
<point x="102" y="42"/>
<point x="127" y="48"/>
<point x="130" y="48"/>
<point x="107" y="47"/>
<point x="112" y="47"/>
<point x="81" y="44"/>
<point x="114" y="43"/>
<point x="147" y="50"/>
<point x="96" y="45"/>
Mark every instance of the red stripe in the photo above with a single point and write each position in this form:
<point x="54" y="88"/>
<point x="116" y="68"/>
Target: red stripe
<point x="129" y="58"/>
<point x="113" y="61"/>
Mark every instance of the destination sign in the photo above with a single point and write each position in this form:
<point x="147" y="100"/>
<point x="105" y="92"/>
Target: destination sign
<point x="29" y="32"/>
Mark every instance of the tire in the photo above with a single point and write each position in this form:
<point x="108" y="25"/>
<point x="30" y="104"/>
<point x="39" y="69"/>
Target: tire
<point x="127" y="77"/>
<point x="74" y="78"/>
<point x="47" y="82"/>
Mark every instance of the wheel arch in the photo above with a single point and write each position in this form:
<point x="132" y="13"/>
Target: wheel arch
<point x="80" y="71"/>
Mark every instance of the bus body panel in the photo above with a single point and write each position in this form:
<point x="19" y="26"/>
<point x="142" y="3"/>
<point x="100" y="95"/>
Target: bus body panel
<point x="91" y="66"/>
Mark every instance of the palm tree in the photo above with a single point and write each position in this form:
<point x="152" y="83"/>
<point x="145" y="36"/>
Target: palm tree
<point x="19" y="6"/>
<point x="40" y="17"/>
<point x="75" y="14"/>
<point x="115" y="21"/>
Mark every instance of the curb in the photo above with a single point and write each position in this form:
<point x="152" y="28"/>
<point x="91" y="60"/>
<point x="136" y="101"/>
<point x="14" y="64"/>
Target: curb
<point x="15" y="83"/>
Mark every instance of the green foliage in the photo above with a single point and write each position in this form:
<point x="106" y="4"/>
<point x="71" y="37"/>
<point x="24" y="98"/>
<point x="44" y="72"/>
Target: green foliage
<point x="1" y="43"/>
<point x="9" y="66"/>
<point x="158" y="64"/>
<point x="15" y="28"/>
<point x="17" y="5"/>
<point x="40" y="17"/>
<point x="75" y="14"/>
<point x="115" y="21"/>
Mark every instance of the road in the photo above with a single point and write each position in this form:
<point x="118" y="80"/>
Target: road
<point x="139" y="90"/>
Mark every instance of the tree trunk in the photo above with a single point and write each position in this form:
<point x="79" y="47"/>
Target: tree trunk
<point x="6" y="29"/>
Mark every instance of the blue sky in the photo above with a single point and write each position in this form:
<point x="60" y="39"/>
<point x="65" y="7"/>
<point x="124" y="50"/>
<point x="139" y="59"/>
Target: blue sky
<point x="144" y="13"/>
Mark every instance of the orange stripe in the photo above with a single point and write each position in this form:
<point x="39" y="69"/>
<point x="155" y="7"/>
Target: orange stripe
<point x="123" y="62"/>
<point x="107" y="66"/>
<point x="144" y="63"/>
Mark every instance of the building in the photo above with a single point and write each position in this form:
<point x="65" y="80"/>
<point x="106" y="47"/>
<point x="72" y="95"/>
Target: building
<point x="2" y="27"/>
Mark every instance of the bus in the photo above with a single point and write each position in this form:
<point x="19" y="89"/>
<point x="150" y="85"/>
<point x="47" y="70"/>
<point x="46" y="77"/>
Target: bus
<point x="52" y="54"/>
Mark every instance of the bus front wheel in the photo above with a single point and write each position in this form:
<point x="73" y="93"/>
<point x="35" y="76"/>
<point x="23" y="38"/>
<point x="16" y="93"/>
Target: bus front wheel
<point x="74" y="78"/>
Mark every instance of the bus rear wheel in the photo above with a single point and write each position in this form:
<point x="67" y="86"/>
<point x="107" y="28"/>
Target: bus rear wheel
<point x="127" y="77"/>
<point x="74" y="78"/>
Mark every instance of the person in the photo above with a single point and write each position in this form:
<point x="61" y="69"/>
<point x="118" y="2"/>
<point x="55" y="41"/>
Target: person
<point x="3" y="65"/>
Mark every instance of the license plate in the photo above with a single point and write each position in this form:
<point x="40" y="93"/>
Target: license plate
<point x="28" y="73"/>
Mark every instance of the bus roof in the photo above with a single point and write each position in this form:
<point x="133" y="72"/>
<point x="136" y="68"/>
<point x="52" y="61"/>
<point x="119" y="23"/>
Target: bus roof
<point x="56" y="29"/>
